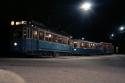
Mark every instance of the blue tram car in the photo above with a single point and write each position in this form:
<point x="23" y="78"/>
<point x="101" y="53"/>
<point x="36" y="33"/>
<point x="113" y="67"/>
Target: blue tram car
<point x="30" y="38"/>
<point x="82" y="47"/>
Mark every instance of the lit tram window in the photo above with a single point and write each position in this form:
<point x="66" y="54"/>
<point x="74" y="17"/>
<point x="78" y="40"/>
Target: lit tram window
<point x="49" y="35"/>
<point x="82" y="44"/>
<point x="23" y="22"/>
<point x="35" y="33"/>
<point x="75" y="42"/>
<point x="17" y="23"/>
<point x="89" y="45"/>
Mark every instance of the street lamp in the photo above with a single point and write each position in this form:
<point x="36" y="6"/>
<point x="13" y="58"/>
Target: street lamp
<point x="112" y="35"/>
<point x="86" y="6"/>
<point x="121" y="28"/>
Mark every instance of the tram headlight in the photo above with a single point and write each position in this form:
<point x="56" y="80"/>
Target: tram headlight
<point x="74" y="49"/>
<point x="15" y="43"/>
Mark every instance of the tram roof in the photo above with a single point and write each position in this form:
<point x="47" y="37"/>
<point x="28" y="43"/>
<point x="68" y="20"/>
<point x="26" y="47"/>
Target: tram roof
<point x="37" y="23"/>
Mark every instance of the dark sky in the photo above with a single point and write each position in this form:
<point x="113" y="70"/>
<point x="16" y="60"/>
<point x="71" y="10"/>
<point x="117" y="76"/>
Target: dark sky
<point x="65" y="15"/>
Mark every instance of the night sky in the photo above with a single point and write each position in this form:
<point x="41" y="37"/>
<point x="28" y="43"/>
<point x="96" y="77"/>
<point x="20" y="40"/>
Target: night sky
<point x="65" y="16"/>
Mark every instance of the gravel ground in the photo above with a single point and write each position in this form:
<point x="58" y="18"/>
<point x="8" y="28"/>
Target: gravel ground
<point x="105" y="69"/>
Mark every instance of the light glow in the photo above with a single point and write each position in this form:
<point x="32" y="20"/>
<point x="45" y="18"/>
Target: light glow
<point x="49" y="35"/>
<point x="86" y="6"/>
<point x="75" y="42"/>
<point x="74" y="49"/>
<point x="112" y="35"/>
<point x="15" y="43"/>
<point x="12" y="23"/>
<point x="35" y="32"/>
<point x="23" y="22"/>
<point x="71" y="37"/>
<point x="121" y="28"/>
<point x="17" y="23"/>
<point x="82" y="38"/>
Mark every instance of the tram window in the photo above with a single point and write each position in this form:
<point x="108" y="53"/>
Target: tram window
<point x="65" y="40"/>
<point x="55" y="39"/>
<point x="90" y="45"/>
<point x="82" y="45"/>
<point x="69" y="42"/>
<point x="41" y="35"/>
<point x="35" y="34"/>
<point x="17" y="34"/>
<point x="60" y="40"/>
<point x="75" y="45"/>
<point x="108" y="46"/>
<point x="52" y="37"/>
<point x="86" y="45"/>
<point x="48" y="37"/>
